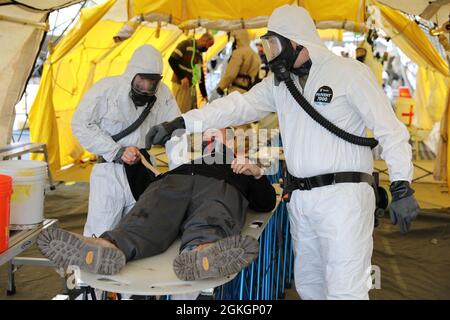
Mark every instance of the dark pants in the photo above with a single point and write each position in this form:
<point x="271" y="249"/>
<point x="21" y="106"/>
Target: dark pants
<point x="201" y="209"/>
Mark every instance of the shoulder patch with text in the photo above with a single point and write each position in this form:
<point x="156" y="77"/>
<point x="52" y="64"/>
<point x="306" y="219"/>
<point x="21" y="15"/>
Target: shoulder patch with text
<point x="323" y="95"/>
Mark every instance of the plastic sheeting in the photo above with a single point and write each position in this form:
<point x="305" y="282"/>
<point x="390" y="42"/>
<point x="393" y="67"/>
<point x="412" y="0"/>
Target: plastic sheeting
<point x="432" y="78"/>
<point x="20" y="46"/>
<point x="436" y="11"/>
<point x="22" y="28"/>
<point x="407" y="35"/>
<point x="442" y="164"/>
<point x="51" y="112"/>
<point x="41" y="5"/>
<point x="431" y="98"/>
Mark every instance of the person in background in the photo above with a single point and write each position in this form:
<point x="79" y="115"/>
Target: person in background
<point x="186" y="62"/>
<point x="112" y="105"/>
<point x="243" y="66"/>
<point x="364" y="54"/>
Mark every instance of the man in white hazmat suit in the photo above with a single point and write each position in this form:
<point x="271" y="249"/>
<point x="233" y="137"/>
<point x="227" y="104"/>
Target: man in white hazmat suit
<point x="332" y="208"/>
<point x="109" y="107"/>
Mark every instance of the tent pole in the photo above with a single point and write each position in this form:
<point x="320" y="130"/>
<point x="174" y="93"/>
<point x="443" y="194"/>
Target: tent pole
<point x="39" y="25"/>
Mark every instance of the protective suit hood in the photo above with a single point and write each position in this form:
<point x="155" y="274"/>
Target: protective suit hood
<point x="242" y="37"/>
<point x="295" y="23"/>
<point x="146" y="59"/>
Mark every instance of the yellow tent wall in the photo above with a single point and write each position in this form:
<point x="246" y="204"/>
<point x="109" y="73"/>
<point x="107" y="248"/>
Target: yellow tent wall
<point x="433" y="79"/>
<point x="433" y="75"/>
<point x="412" y="41"/>
<point x="46" y="114"/>
<point x="431" y="98"/>
<point x="65" y="82"/>
<point x="88" y="53"/>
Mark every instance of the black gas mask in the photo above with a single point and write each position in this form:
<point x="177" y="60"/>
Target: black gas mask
<point x="143" y="88"/>
<point x="281" y="56"/>
<point x="303" y="70"/>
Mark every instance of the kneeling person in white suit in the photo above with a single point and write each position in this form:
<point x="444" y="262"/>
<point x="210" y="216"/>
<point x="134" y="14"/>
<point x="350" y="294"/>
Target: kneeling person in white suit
<point x="111" y="106"/>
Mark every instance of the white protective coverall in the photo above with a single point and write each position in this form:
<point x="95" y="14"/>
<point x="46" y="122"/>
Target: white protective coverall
<point x="331" y="226"/>
<point x="106" y="109"/>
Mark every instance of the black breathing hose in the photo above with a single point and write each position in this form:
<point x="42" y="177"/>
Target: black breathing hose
<point x="135" y="124"/>
<point x="313" y="113"/>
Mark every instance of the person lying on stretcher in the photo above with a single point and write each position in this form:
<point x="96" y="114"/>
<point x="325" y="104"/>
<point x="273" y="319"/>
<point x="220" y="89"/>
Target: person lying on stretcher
<point x="204" y="202"/>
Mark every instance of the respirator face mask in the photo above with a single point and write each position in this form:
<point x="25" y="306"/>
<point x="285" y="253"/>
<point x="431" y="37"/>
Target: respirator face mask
<point x="361" y="54"/>
<point x="143" y="90"/>
<point x="280" y="54"/>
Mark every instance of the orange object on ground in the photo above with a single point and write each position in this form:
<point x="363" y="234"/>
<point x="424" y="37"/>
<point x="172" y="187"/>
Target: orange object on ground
<point x="5" y="198"/>
<point x="404" y="92"/>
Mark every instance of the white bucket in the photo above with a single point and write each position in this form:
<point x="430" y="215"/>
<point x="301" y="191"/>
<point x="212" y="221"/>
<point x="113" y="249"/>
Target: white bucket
<point x="27" y="200"/>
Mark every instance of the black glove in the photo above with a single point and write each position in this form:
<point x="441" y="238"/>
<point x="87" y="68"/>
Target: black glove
<point x="220" y="91"/>
<point x="162" y="132"/>
<point x="404" y="207"/>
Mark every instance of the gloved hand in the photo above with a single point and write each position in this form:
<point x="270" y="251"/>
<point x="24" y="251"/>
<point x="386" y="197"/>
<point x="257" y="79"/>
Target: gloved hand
<point x="162" y="132"/>
<point x="118" y="156"/>
<point x="220" y="91"/>
<point x="216" y="94"/>
<point x="404" y="207"/>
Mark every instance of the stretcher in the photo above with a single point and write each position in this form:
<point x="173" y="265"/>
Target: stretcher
<point x="266" y="277"/>
<point x="154" y="276"/>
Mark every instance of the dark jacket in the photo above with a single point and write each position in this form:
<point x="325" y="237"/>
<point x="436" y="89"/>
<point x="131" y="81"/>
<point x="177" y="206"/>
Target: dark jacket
<point x="259" y="192"/>
<point x="181" y="61"/>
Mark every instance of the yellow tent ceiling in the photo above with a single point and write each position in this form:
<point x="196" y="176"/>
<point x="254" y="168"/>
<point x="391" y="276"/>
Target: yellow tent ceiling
<point x="182" y="10"/>
<point x="436" y="11"/>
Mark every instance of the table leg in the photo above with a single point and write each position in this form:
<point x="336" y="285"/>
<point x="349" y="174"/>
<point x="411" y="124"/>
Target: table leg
<point x="50" y="179"/>
<point x="10" y="286"/>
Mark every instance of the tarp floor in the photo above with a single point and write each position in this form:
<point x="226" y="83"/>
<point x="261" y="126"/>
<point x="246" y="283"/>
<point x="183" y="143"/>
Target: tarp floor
<point x="413" y="266"/>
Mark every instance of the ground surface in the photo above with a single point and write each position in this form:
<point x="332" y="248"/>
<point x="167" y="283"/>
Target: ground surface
<point x="415" y="266"/>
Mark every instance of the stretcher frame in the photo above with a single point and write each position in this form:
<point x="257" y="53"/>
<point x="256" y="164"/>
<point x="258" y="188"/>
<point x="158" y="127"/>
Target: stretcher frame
<point x="19" y="242"/>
